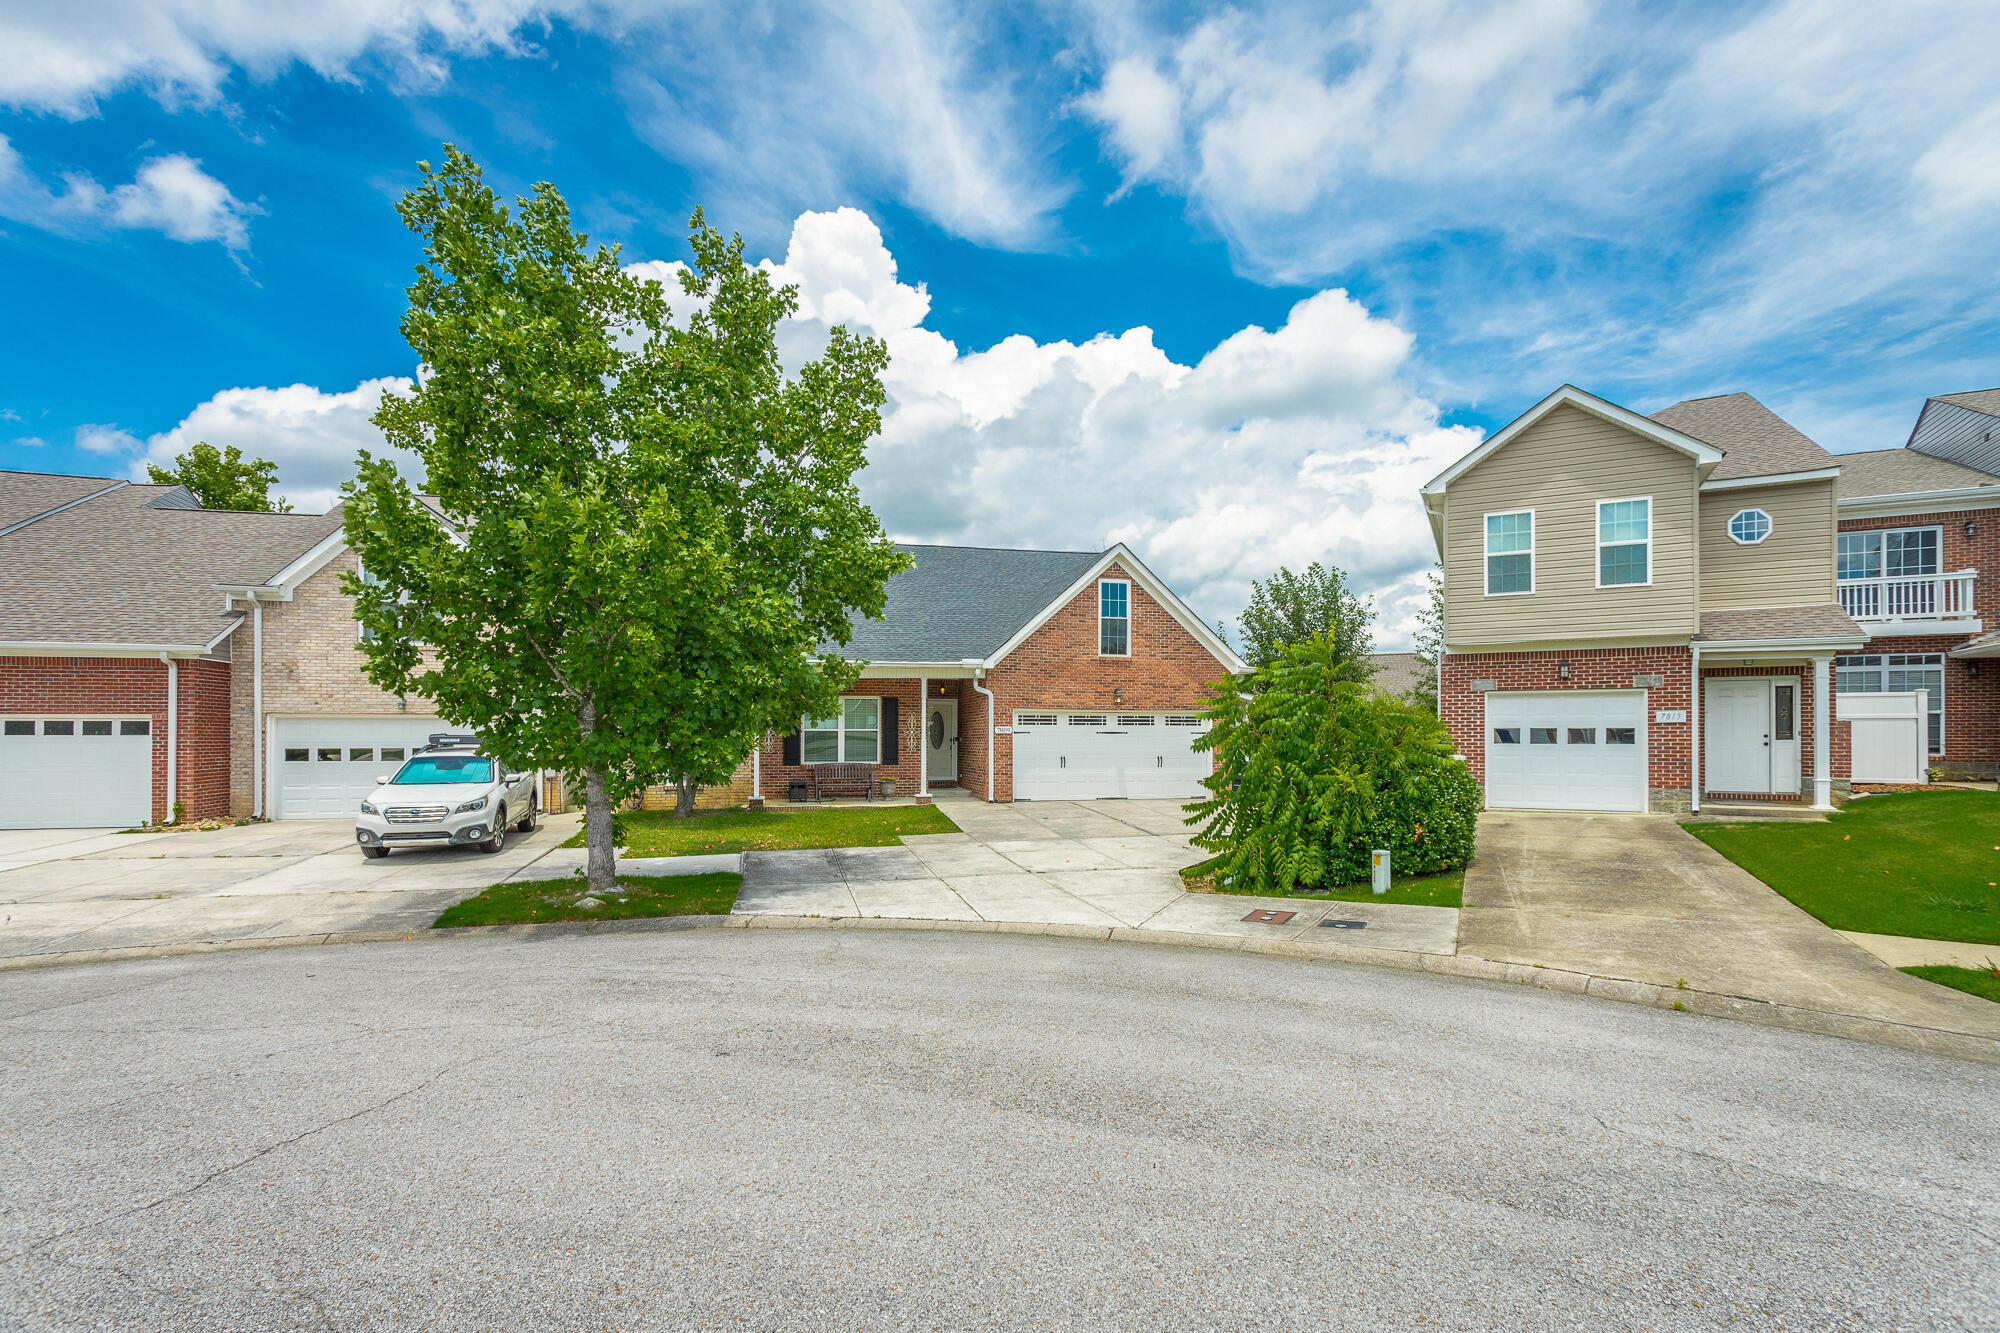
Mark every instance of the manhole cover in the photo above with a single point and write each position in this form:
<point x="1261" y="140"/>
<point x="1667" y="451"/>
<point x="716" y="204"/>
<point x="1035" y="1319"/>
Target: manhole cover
<point x="1345" y="925"/>
<point x="1268" y="918"/>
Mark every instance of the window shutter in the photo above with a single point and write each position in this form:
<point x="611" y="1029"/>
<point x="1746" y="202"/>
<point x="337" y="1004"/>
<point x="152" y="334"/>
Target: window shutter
<point x="792" y="748"/>
<point x="892" y="733"/>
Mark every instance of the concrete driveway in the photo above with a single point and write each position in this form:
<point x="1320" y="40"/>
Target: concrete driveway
<point x="1088" y="863"/>
<point x="63" y="891"/>
<point x="1637" y="897"/>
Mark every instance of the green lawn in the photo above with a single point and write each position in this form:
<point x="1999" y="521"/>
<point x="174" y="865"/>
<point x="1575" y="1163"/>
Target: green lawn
<point x="1972" y="980"/>
<point x="1446" y="890"/>
<point x="662" y="833"/>
<point x="1922" y="863"/>
<point x="555" y="900"/>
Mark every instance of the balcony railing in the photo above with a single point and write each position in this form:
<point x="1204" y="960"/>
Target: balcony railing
<point x="1911" y="597"/>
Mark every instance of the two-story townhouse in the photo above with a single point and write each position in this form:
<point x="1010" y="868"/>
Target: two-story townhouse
<point x="1918" y="548"/>
<point x="1633" y="601"/>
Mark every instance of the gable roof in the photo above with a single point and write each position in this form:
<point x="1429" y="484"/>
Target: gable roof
<point x="1977" y="400"/>
<point x="1756" y="442"/>
<point x="960" y="602"/>
<point x="1701" y="451"/>
<point x="26" y="495"/>
<point x="1884" y="472"/>
<point x="1396" y="673"/>
<point x="134" y="567"/>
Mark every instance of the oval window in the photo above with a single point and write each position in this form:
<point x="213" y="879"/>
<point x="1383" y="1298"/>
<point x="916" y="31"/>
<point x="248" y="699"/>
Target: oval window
<point x="1749" y="526"/>
<point x="937" y="730"/>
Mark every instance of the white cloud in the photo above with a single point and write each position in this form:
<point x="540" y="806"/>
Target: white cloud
<point x="170" y="194"/>
<point x="95" y="439"/>
<point x="311" y="435"/>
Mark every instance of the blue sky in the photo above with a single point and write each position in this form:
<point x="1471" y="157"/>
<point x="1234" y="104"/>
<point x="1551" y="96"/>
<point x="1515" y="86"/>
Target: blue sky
<point x="1226" y="283"/>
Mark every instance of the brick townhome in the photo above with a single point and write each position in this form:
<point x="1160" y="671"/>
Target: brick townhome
<point x="139" y="624"/>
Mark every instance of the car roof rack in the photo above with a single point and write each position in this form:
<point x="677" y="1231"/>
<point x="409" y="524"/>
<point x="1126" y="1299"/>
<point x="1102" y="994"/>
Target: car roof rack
<point x="452" y="740"/>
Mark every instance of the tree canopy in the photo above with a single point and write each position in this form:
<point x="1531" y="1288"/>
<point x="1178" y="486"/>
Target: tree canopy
<point x="222" y="479"/>
<point x="1430" y="641"/>
<point x="640" y="531"/>
<point x="1290" y="609"/>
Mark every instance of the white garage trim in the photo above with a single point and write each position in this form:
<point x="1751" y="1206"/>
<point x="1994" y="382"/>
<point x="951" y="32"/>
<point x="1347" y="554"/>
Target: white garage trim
<point x="1561" y="755"/>
<point x="1105" y="754"/>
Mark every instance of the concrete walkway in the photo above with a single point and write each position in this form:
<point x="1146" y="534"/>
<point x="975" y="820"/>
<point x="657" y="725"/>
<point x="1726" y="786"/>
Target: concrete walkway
<point x="1636" y="897"/>
<point x="1910" y="951"/>
<point x="1083" y="863"/>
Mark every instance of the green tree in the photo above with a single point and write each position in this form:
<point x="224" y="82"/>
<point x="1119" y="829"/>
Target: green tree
<point x="1430" y="641"/>
<point x="1291" y="608"/>
<point x="1314" y="771"/>
<point x="639" y="532"/>
<point x="222" y="479"/>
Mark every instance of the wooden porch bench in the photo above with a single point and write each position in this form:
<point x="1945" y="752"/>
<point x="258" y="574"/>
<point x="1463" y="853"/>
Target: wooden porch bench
<point x="843" y="780"/>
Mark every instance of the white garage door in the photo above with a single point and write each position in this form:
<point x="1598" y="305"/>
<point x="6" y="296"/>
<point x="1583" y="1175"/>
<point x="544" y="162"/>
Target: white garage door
<point x="75" y="772"/>
<point x="326" y="765"/>
<point x="1090" y="756"/>
<point x="1573" y="750"/>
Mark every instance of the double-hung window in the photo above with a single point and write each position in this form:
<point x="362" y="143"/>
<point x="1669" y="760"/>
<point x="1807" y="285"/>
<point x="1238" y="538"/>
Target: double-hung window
<point x="1114" y="618"/>
<point x="1510" y="552"/>
<point x="1624" y="543"/>
<point x="851" y="736"/>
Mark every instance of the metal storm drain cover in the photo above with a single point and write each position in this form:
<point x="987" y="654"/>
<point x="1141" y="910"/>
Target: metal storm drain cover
<point x="1269" y="918"/>
<point x="1345" y="925"/>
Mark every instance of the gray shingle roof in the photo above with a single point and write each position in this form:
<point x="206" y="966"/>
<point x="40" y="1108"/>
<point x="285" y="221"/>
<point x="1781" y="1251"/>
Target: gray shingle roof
<point x="122" y="569"/>
<point x="1755" y="441"/>
<point x="1903" y="472"/>
<point x="1396" y="673"/>
<point x="26" y="494"/>
<point x="1979" y="400"/>
<point x="957" y="602"/>
<point x="1826" y="621"/>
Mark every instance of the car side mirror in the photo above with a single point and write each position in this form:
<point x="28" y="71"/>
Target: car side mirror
<point x="381" y="782"/>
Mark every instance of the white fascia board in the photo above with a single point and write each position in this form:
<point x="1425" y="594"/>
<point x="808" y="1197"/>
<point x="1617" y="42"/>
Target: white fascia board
<point x="309" y="564"/>
<point x="52" y="648"/>
<point x="254" y="592"/>
<point x="1919" y="502"/>
<point x="1703" y="453"/>
<point x="1775" y="479"/>
<point x="897" y="670"/>
<point x="228" y="630"/>
<point x="1907" y="629"/>
<point x="1736" y="647"/>
<point x="1120" y="554"/>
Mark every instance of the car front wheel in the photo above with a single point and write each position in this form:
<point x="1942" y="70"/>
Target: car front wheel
<point x="499" y="838"/>
<point x="527" y="824"/>
<point x="374" y="853"/>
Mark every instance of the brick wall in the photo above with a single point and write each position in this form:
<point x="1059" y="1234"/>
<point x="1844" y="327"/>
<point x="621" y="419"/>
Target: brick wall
<point x="312" y="664"/>
<point x="137" y="687"/>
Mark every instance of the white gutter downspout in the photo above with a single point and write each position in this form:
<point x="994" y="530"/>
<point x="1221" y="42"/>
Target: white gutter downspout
<point x="173" y="732"/>
<point x="923" y="740"/>
<point x="257" y="707"/>
<point x="989" y="737"/>
<point x="1694" y="727"/>
<point x="757" y="775"/>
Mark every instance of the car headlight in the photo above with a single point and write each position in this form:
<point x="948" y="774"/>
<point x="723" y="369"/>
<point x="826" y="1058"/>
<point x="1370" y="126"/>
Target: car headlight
<point x="368" y="808"/>
<point x="470" y="806"/>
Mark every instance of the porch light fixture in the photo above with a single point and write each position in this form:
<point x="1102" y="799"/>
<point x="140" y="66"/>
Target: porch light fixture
<point x="1971" y="666"/>
<point x="1562" y="669"/>
<point x="1971" y="528"/>
<point x="1117" y="696"/>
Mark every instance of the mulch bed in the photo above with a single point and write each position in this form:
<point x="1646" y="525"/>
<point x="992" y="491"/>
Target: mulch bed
<point x="1873" y="788"/>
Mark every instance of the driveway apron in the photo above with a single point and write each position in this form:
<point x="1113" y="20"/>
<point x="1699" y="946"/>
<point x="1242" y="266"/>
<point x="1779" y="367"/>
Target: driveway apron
<point x="1637" y="897"/>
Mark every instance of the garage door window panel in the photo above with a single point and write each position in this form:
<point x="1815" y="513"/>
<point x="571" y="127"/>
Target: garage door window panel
<point x="58" y="728"/>
<point x="1625" y="542"/>
<point x="1510" y="553"/>
<point x="20" y="729"/>
<point x="135" y="728"/>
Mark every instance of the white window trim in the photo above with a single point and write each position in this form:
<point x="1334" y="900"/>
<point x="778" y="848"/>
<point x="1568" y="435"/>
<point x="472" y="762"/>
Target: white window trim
<point x="1127" y="585"/>
<point x="1770" y="526"/>
<point x="840" y="734"/>
<point x="1883" y="533"/>
<point x="1487" y="554"/>
<point x="1598" y="561"/>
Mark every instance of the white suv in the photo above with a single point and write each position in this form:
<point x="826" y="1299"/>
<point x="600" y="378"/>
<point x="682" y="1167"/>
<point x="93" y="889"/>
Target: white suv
<point x="447" y="794"/>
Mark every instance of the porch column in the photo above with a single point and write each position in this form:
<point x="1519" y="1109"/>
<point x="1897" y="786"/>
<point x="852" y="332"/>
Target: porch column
<point x="1694" y="727"/>
<point x="1822" y="733"/>
<point x="923" y="740"/>
<point x="173" y="734"/>
<point x="757" y="775"/>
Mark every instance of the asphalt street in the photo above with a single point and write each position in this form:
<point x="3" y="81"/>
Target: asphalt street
<point x="874" y="1130"/>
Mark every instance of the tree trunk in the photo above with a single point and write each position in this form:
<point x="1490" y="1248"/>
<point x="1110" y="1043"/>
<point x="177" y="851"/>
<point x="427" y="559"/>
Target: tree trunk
<point x="684" y="794"/>
<point x="602" y="874"/>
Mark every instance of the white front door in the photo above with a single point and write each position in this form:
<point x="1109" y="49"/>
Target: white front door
<point x="1736" y="734"/>
<point x="941" y="738"/>
<point x="324" y="766"/>
<point x="1566" y="750"/>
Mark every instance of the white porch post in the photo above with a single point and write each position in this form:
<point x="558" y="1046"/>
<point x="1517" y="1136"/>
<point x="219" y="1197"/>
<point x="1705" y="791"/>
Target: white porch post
<point x="1822" y="733"/>
<point x="1694" y="727"/>
<point x="173" y="734"/>
<point x="257" y="707"/>
<point x="923" y="739"/>
<point x="757" y="775"/>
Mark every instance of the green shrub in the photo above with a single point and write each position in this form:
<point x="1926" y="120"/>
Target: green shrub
<point x="1314" y="772"/>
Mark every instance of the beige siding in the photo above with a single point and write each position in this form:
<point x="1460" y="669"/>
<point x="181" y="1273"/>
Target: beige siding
<point x="1561" y="467"/>
<point x="1794" y="566"/>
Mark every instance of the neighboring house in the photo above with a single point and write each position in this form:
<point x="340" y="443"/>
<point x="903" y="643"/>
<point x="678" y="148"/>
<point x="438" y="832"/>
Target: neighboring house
<point x="140" y="626"/>
<point x="1632" y="600"/>
<point x="1396" y="673"/>
<point x="1017" y="675"/>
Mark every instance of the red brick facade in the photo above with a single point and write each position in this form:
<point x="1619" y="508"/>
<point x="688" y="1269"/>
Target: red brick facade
<point x="137" y="687"/>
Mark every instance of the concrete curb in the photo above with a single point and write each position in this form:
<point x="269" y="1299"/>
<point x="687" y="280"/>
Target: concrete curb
<point x="1933" y="1041"/>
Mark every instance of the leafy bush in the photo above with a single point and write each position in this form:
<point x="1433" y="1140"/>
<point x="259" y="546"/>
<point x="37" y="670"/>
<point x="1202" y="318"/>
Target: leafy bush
<point x="1314" y="772"/>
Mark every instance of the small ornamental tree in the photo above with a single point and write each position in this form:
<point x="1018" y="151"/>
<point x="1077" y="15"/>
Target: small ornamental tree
<point x="1430" y="642"/>
<point x="1291" y="608"/>
<point x="636" y="533"/>
<point x="222" y="479"/>
<point x="1314" y="771"/>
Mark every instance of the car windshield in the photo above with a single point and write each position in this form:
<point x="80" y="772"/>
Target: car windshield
<point x="430" y="769"/>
